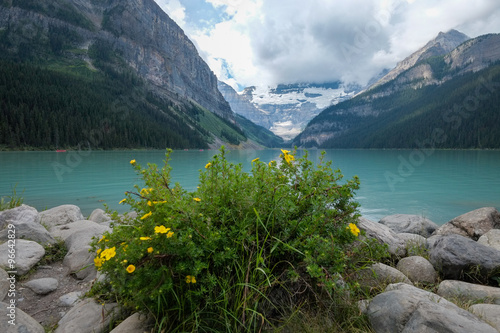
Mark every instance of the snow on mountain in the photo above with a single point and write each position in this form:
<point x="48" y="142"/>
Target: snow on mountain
<point x="287" y="108"/>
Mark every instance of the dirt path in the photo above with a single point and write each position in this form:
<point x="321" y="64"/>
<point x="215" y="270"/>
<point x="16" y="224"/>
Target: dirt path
<point x="46" y="309"/>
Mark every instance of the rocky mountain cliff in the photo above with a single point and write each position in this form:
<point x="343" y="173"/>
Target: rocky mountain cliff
<point x="427" y="92"/>
<point x="441" y="45"/>
<point x="144" y="36"/>
<point x="131" y="73"/>
<point x="287" y="108"/>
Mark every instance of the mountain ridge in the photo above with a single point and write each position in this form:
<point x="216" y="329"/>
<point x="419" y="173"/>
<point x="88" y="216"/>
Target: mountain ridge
<point x="387" y="114"/>
<point x="161" y="73"/>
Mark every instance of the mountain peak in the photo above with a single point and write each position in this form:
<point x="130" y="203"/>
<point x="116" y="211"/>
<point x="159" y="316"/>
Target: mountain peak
<point x="442" y="44"/>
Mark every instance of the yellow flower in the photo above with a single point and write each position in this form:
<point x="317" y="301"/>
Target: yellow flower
<point x="208" y="165"/>
<point x="150" y="203"/>
<point x="150" y="249"/>
<point x="102" y="238"/>
<point x="130" y="268"/>
<point x="98" y="262"/>
<point x="272" y="163"/>
<point x="146" y="191"/>
<point x="170" y="234"/>
<point x="108" y="253"/>
<point x="145" y="216"/>
<point x="145" y="238"/>
<point x="122" y="201"/>
<point x="132" y="162"/>
<point x="353" y="229"/>
<point x="190" y="279"/>
<point x="98" y="251"/>
<point x="161" y="229"/>
<point x="197" y="199"/>
<point x="124" y="261"/>
<point x="255" y="160"/>
<point x="287" y="156"/>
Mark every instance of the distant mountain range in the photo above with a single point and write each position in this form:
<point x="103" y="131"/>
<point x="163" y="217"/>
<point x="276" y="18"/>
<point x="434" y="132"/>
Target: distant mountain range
<point x="445" y="95"/>
<point x="108" y="74"/>
<point x="287" y="108"/>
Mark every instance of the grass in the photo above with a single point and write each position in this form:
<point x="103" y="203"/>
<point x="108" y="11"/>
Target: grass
<point x="14" y="200"/>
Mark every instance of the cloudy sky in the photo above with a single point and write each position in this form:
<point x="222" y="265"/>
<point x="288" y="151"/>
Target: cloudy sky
<point x="266" y="42"/>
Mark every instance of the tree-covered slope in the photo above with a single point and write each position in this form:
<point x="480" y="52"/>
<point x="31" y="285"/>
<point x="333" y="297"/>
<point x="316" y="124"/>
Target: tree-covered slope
<point x="67" y="80"/>
<point x="461" y="113"/>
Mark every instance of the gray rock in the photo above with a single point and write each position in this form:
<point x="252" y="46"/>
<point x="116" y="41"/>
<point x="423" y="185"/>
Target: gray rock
<point x="23" y="322"/>
<point x="411" y="224"/>
<point x="417" y="269"/>
<point x="472" y="224"/>
<point x="60" y="215"/>
<point x="136" y="323"/>
<point x="4" y="284"/>
<point x="489" y="313"/>
<point x="64" y="231"/>
<point x="27" y="225"/>
<point x="415" y="245"/>
<point x="454" y="255"/>
<point x="23" y="213"/>
<point x="79" y="259"/>
<point x="70" y="299"/>
<point x="87" y="317"/>
<point x="99" y="216"/>
<point x="383" y="234"/>
<point x="404" y="308"/>
<point x="27" y="255"/>
<point x="42" y="286"/>
<point x="469" y="291"/>
<point x="491" y="238"/>
<point x="83" y="235"/>
<point x="379" y="275"/>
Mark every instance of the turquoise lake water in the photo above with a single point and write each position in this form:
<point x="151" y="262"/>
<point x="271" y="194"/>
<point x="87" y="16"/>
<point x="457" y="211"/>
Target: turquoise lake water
<point x="437" y="184"/>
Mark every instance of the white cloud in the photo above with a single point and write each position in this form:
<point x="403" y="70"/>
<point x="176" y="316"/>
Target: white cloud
<point x="265" y="42"/>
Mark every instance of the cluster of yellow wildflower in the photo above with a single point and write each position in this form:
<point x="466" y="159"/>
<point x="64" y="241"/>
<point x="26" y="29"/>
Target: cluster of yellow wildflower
<point x="190" y="279"/>
<point x="162" y="230"/>
<point x="288" y="157"/>
<point x="102" y="256"/>
<point x="353" y="229"/>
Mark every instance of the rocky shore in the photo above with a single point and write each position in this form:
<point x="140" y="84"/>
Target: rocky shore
<point x="458" y="261"/>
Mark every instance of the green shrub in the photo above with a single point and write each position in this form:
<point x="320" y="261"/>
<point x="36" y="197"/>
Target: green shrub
<point x="237" y="253"/>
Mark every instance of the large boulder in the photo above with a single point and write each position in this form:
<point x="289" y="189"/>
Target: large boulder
<point x="379" y="275"/>
<point x="60" y="215"/>
<point x="491" y="238"/>
<point x="27" y="254"/>
<point x="4" y="284"/>
<point x="455" y="255"/>
<point x="404" y="308"/>
<point x="23" y="322"/>
<point x="26" y="225"/>
<point x="77" y="237"/>
<point x="469" y="292"/>
<point x="414" y="244"/>
<point x="417" y="269"/>
<point x="472" y="224"/>
<point x="384" y="235"/>
<point x="99" y="216"/>
<point x="136" y="323"/>
<point x="88" y="317"/>
<point x="490" y="313"/>
<point x="411" y="224"/>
